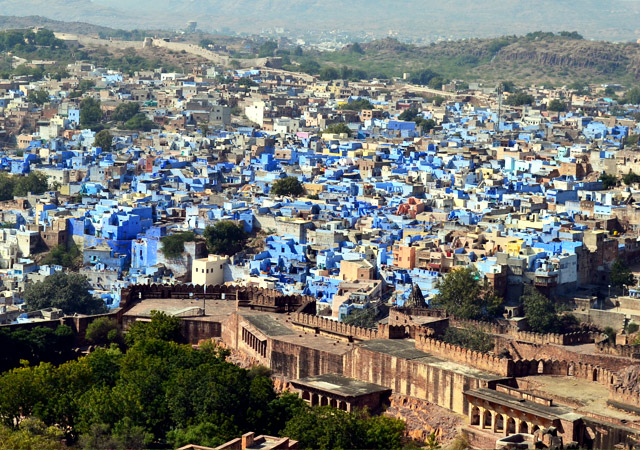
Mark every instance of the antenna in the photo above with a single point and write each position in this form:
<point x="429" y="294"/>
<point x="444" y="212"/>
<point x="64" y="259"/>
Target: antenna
<point x="499" y="104"/>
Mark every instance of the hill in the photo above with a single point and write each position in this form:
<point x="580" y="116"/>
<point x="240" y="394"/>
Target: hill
<point x="533" y="58"/>
<point x="430" y="19"/>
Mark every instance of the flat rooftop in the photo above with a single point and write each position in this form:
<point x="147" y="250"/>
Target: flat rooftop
<point x="340" y="385"/>
<point x="215" y="310"/>
<point x="405" y="349"/>
<point x="583" y="395"/>
<point x="502" y="398"/>
<point x="268" y="325"/>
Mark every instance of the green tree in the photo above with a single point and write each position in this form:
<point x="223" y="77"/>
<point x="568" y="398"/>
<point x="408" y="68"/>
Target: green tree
<point x="173" y="245"/>
<point x="463" y="294"/>
<point x="289" y="186"/>
<point x="32" y="434"/>
<point x="69" y="292"/>
<point x="540" y="312"/>
<point x="90" y="113"/>
<point x="104" y="140"/>
<point x="632" y="96"/>
<point x="162" y="327"/>
<point x="325" y="428"/>
<point x="409" y="114"/>
<point x="63" y="256"/>
<point x="85" y="85"/>
<point x="34" y="183"/>
<point x="630" y="178"/>
<point x="357" y="105"/>
<point x="427" y="125"/>
<point x="338" y="128"/>
<point x="102" y="331"/>
<point x="329" y="74"/>
<point x="620" y="275"/>
<point x="520" y="99"/>
<point x="125" y="111"/>
<point x="473" y="339"/>
<point x="39" y="97"/>
<point x="139" y="122"/>
<point x="608" y="181"/>
<point x="267" y="49"/>
<point x="557" y="105"/>
<point x="225" y="238"/>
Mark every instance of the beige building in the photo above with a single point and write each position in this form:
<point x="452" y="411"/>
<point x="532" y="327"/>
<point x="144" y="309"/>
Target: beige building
<point x="209" y="270"/>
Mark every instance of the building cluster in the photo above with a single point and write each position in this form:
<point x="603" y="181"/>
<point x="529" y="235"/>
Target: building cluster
<point x="464" y="180"/>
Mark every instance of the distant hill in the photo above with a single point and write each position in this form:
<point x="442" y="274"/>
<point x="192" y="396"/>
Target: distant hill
<point x="597" y="19"/>
<point x="533" y="58"/>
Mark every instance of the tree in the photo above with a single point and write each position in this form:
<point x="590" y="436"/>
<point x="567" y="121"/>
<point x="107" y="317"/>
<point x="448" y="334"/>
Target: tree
<point x="608" y="181"/>
<point x="557" y="105"/>
<point x="464" y="295"/>
<point x="630" y="178"/>
<point x="327" y="428"/>
<point x="102" y="331"/>
<point x="267" y="48"/>
<point x="85" y="85"/>
<point x="632" y="96"/>
<point x="139" y="122"/>
<point x="365" y="318"/>
<point x="290" y="186"/>
<point x="63" y="256"/>
<point x="69" y="292"/>
<point x="225" y="238"/>
<point x="427" y="125"/>
<point x="520" y="99"/>
<point x="539" y="311"/>
<point x="32" y="434"/>
<point x="357" y="105"/>
<point x="329" y="74"/>
<point x="34" y="183"/>
<point x="409" y="114"/>
<point x="162" y="326"/>
<point x="90" y="113"/>
<point x="173" y="245"/>
<point x="620" y="275"/>
<point x="338" y="128"/>
<point x="104" y="140"/>
<point x="39" y="97"/>
<point x="125" y="111"/>
<point x="473" y="339"/>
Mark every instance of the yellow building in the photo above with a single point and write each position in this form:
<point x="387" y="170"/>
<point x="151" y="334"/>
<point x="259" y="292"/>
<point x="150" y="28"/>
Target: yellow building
<point x="209" y="270"/>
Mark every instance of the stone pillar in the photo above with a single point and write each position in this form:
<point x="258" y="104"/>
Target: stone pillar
<point x="505" y="425"/>
<point x="518" y="422"/>
<point x="482" y="424"/>
<point x="494" y="421"/>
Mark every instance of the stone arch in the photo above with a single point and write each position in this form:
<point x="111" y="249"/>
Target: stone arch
<point x="499" y="423"/>
<point x="306" y="396"/>
<point x="571" y="371"/>
<point x="594" y="375"/>
<point x="486" y="416"/>
<point x="324" y="401"/>
<point x="475" y="416"/>
<point x="333" y="403"/>
<point x="511" y="425"/>
<point x="534" y="428"/>
<point x="524" y="427"/>
<point x="540" y="368"/>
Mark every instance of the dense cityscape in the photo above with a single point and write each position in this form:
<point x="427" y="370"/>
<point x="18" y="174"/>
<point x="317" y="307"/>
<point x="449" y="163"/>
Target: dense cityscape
<point x="227" y="253"/>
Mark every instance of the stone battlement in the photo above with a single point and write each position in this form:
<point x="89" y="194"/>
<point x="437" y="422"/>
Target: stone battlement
<point x="348" y="332"/>
<point x="627" y="351"/>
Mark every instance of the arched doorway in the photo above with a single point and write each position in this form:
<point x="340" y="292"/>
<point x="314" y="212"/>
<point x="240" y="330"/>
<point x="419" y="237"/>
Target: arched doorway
<point x="475" y="416"/>
<point x="534" y="429"/>
<point x="486" y="419"/>
<point x="541" y="368"/>
<point x="572" y="370"/>
<point x="595" y="375"/>
<point x="524" y="427"/>
<point x="511" y="426"/>
<point x="499" y="423"/>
